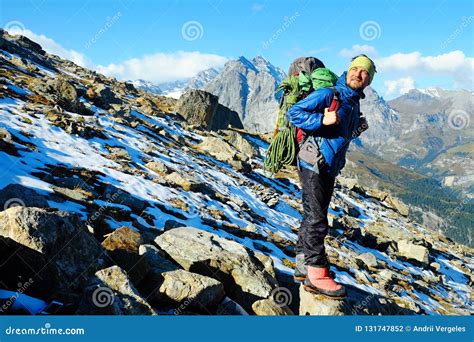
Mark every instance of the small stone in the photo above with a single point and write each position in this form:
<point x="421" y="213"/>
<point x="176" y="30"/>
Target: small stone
<point x="158" y="167"/>
<point x="268" y="307"/>
<point x="367" y="259"/>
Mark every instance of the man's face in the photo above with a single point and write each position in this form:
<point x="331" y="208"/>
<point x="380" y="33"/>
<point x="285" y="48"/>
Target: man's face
<point x="357" y="78"/>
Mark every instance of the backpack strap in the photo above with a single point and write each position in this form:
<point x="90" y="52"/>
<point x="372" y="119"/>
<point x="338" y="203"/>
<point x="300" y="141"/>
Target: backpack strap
<point x="335" y="102"/>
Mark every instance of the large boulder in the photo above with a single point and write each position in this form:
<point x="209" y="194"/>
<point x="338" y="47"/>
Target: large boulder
<point x="397" y="205"/>
<point x="242" y="274"/>
<point x="110" y="292"/>
<point x="156" y="259"/>
<point x="102" y="96"/>
<point x="218" y="148"/>
<point x="320" y="306"/>
<point x="198" y="107"/>
<point x="385" y="198"/>
<point x="357" y="302"/>
<point x="413" y="251"/>
<point x="123" y="246"/>
<point x="61" y="91"/>
<point x="380" y="235"/>
<point x="17" y="194"/>
<point x="25" y="48"/>
<point x="225" y="118"/>
<point x="240" y="143"/>
<point x="53" y="248"/>
<point x="180" y="287"/>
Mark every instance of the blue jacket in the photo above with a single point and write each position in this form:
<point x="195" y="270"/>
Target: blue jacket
<point x="308" y="115"/>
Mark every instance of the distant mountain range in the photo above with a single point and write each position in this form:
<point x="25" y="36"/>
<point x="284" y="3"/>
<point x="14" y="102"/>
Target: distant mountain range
<point x="425" y="130"/>
<point x="246" y="86"/>
<point x="176" y="88"/>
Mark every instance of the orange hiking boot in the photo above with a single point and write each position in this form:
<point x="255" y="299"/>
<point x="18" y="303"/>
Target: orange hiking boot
<point x="319" y="281"/>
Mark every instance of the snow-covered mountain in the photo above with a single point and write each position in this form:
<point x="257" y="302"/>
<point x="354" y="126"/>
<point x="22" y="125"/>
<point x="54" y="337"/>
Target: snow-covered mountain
<point x="106" y="193"/>
<point x="427" y="130"/>
<point x="176" y="88"/>
<point x="202" y="78"/>
<point x="248" y="87"/>
<point x="147" y="86"/>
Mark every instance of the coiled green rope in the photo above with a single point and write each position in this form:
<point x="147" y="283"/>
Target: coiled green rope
<point x="282" y="150"/>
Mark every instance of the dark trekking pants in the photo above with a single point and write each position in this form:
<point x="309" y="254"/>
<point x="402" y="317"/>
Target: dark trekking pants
<point x="317" y="192"/>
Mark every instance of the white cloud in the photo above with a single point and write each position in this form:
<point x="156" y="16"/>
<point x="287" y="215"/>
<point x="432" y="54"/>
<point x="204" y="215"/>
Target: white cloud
<point x="163" y="67"/>
<point x="454" y="64"/>
<point x="399" y="87"/>
<point x="357" y="50"/>
<point x="158" y="67"/>
<point x="52" y="47"/>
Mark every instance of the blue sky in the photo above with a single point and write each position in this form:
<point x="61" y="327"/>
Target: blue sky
<point x="415" y="43"/>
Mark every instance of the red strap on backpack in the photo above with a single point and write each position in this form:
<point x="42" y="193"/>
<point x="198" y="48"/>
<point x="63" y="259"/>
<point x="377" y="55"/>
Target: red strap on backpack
<point x="333" y="107"/>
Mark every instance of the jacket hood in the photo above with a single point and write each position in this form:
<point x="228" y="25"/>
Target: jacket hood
<point x="345" y="92"/>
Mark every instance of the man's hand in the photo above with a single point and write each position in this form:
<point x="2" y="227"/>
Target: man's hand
<point x="330" y="118"/>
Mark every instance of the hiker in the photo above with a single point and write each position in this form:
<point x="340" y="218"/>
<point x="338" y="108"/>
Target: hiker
<point x="321" y="158"/>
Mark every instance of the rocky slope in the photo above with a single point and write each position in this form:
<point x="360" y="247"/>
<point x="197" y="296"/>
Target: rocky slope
<point x="112" y="203"/>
